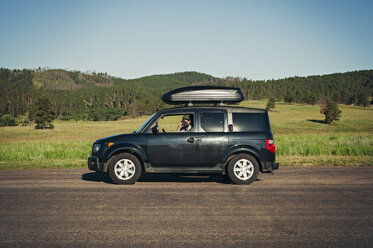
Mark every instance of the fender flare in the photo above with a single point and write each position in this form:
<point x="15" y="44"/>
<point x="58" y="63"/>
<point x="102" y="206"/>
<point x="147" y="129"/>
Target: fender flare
<point x="243" y="149"/>
<point x="118" y="148"/>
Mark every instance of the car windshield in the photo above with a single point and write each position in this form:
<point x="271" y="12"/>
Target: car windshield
<point x="145" y="123"/>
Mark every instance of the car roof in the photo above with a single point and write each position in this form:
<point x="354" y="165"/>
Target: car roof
<point x="209" y="107"/>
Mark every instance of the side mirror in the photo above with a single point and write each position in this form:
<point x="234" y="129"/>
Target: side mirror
<point x="155" y="129"/>
<point x="230" y="127"/>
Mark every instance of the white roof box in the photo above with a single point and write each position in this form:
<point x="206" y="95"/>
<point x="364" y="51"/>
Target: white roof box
<point x="203" y="94"/>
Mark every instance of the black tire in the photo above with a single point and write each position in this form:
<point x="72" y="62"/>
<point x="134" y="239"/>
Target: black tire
<point x="248" y="175"/>
<point x="124" y="168"/>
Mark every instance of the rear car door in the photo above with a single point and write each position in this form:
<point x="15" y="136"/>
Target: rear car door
<point x="213" y="137"/>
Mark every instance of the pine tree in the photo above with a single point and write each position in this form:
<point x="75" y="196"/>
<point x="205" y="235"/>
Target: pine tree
<point x="289" y="97"/>
<point x="271" y="104"/>
<point x="44" y="114"/>
<point x="353" y="99"/>
<point x="362" y="99"/>
<point x="312" y="98"/>
<point x="8" y="120"/>
<point x="337" y="97"/>
<point x="331" y="112"/>
<point x="31" y="114"/>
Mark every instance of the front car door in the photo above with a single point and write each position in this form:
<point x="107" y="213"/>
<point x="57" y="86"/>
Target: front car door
<point x="171" y="148"/>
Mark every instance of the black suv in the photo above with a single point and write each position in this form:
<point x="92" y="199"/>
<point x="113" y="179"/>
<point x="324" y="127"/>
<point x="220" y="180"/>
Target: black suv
<point x="232" y="141"/>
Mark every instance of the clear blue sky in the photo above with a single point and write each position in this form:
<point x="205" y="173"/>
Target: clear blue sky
<point x="252" y="39"/>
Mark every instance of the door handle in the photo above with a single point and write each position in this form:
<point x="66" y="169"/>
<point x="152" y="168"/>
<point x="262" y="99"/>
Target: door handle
<point x="190" y="139"/>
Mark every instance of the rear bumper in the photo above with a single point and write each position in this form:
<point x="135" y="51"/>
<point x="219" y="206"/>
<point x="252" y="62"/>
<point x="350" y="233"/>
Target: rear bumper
<point x="95" y="165"/>
<point x="275" y="166"/>
<point x="270" y="166"/>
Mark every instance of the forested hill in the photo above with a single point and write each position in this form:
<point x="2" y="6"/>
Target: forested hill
<point x="71" y="80"/>
<point x="98" y="96"/>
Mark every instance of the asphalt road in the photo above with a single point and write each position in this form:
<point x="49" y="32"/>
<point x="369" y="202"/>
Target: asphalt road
<point x="296" y="207"/>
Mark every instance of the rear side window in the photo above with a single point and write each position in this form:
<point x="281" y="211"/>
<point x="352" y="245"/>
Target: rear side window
<point x="212" y="122"/>
<point x="250" y="122"/>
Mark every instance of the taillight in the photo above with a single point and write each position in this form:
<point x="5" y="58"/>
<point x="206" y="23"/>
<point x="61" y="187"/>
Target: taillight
<point x="270" y="145"/>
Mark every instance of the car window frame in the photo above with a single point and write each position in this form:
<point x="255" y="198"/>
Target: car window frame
<point x="223" y="111"/>
<point x="160" y="115"/>
<point x="266" y="127"/>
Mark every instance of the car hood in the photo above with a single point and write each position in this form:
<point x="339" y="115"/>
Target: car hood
<point x="126" y="136"/>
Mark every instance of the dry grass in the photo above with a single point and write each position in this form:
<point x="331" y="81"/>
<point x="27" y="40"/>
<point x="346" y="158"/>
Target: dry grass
<point x="300" y="137"/>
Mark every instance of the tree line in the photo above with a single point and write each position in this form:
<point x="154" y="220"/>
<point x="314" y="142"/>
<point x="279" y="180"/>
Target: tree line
<point x="344" y="88"/>
<point x="98" y="96"/>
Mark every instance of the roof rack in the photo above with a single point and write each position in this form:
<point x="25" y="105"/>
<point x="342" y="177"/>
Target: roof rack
<point x="203" y="94"/>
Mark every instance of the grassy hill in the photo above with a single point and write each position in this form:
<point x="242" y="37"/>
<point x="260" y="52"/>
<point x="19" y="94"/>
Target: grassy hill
<point x="175" y="80"/>
<point x="59" y="79"/>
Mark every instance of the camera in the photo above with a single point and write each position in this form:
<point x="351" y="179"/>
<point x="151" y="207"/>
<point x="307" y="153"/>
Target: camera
<point x="185" y="123"/>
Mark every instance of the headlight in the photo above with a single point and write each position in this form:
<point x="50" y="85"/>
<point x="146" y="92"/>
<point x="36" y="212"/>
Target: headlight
<point x="96" y="147"/>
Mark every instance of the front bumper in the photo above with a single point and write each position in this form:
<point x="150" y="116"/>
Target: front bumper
<point x="95" y="165"/>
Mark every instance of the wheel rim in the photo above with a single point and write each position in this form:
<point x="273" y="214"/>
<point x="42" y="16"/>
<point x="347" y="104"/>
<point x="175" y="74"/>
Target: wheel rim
<point x="243" y="169"/>
<point x="124" y="169"/>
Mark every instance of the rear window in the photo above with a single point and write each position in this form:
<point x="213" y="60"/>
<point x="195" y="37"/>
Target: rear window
<point x="250" y="122"/>
<point x="212" y="122"/>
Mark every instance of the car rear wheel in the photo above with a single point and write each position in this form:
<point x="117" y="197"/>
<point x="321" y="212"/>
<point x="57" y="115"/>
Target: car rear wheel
<point x="124" y="168"/>
<point x="243" y="169"/>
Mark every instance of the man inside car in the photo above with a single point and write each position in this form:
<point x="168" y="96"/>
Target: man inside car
<point x="185" y="124"/>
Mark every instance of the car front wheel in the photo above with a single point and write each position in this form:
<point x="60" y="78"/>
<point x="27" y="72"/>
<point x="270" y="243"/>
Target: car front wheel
<point x="243" y="169"/>
<point x="124" y="169"/>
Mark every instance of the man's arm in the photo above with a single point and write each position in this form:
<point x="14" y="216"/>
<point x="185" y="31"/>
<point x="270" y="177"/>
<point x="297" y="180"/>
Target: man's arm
<point x="179" y="126"/>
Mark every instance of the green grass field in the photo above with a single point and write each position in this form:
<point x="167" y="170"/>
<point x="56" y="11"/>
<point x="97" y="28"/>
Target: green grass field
<point x="300" y="138"/>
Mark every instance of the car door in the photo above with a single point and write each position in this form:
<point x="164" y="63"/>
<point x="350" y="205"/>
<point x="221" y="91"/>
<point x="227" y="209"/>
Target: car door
<point x="172" y="148"/>
<point x="213" y="137"/>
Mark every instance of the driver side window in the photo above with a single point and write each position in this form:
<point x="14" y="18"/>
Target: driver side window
<point x="176" y="123"/>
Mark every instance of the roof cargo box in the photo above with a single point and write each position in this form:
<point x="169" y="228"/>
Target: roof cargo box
<point x="203" y="94"/>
